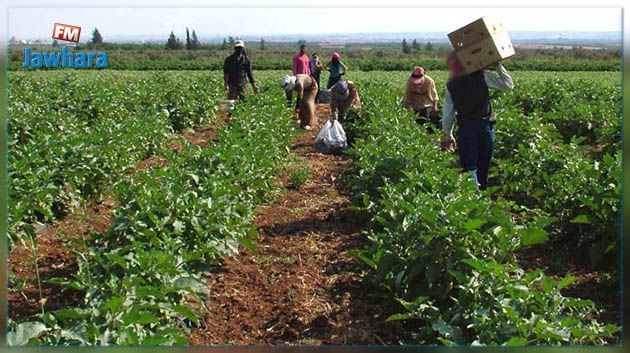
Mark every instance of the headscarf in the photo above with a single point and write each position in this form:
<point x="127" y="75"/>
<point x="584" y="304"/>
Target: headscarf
<point x="340" y="91"/>
<point x="288" y="83"/>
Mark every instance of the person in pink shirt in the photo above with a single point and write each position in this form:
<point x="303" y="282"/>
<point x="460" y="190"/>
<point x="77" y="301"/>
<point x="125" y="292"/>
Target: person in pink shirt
<point x="301" y="62"/>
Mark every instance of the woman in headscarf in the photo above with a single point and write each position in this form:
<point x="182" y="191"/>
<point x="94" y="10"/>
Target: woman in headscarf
<point x="344" y="96"/>
<point x="337" y="68"/>
<point x="316" y="70"/>
<point x="421" y="96"/>
<point x="306" y="89"/>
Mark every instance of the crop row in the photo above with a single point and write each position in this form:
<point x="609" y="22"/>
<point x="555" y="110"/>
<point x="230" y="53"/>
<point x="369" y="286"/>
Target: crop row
<point x="72" y="134"/>
<point x="141" y="280"/>
<point x="559" y="152"/>
<point x="384" y="64"/>
<point x="445" y="251"/>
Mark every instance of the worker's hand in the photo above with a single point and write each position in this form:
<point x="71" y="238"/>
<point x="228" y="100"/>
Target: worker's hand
<point x="255" y="88"/>
<point x="435" y="107"/>
<point x="226" y="89"/>
<point x="448" y="144"/>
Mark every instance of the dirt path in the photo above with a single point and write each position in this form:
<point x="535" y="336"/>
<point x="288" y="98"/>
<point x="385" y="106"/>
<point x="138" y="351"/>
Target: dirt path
<point x="302" y="285"/>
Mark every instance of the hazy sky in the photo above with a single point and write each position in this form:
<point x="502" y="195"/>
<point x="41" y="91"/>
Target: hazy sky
<point x="209" y="22"/>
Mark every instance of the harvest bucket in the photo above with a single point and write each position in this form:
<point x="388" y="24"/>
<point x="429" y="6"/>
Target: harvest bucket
<point x="226" y="105"/>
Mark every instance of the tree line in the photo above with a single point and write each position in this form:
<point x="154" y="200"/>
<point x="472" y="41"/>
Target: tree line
<point x="415" y="46"/>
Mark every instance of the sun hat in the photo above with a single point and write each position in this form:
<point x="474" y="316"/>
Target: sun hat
<point x="336" y="56"/>
<point x="340" y="91"/>
<point x="288" y="83"/>
<point x="239" y="44"/>
<point x="417" y="75"/>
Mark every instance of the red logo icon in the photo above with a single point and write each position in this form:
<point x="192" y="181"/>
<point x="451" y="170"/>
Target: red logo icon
<point x="65" y="32"/>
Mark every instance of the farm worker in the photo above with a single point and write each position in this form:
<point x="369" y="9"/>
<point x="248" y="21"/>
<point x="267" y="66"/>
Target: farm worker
<point x="344" y="96"/>
<point x="336" y="68"/>
<point x="306" y="89"/>
<point x="316" y="70"/>
<point x="301" y="62"/>
<point x="237" y="70"/>
<point x="467" y="99"/>
<point x="421" y="96"/>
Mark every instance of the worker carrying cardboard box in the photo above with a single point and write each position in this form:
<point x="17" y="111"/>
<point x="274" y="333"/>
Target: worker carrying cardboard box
<point x="467" y="99"/>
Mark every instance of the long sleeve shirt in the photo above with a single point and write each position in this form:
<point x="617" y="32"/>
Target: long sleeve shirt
<point x="237" y="70"/>
<point x="302" y="83"/>
<point x="340" y="109"/>
<point x="315" y="66"/>
<point x="418" y="97"/>
<point x="500" y="80"/>
<point x="301" y="65"/>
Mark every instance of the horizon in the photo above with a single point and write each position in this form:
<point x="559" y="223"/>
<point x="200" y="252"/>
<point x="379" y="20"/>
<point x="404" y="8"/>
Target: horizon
<point x="36" y="23"/>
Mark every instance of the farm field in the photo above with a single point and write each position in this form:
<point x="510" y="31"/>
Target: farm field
<point x="155" y="219"/>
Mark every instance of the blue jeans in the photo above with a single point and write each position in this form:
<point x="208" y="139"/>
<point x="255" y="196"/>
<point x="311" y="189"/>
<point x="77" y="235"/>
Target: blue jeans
<point x="475" y="141"/>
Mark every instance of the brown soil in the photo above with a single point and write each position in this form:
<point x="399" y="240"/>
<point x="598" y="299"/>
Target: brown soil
<point x="302" y="285"/>
<point x="54" y="241"/>
<point x="54" y="259"/>
<point x="558" y="259"/>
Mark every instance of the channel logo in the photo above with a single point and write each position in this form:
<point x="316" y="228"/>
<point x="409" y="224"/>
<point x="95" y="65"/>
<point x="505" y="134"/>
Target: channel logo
<point x="68" y="33"/>
<point x="65" y="58"/>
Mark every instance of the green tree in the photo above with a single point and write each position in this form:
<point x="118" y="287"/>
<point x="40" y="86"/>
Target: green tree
<point x="415" y="45"/>
<point x="405" y="47"/>
<point x="428" y="46"/>
<point x="263" y="44"/>
<point x="188" y="42"/>
<point x="224" y="45"/>
<point x="55" y="44"/>
<point x="97" y="38"/>
<point x="195" y="43"/>
<point x="173" y="42"/>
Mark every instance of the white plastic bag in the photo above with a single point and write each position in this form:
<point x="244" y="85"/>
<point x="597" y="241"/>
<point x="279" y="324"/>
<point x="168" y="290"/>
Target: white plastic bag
<point x="331" y="138"/>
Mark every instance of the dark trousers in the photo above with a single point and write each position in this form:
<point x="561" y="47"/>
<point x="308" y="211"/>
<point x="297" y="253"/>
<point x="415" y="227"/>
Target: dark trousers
<point x="427" y="115"/>
<point x="475" y="141"/>
<point x="236" y="92"/>
<point x="316" y="76"/>
<point x="332" y="80"/>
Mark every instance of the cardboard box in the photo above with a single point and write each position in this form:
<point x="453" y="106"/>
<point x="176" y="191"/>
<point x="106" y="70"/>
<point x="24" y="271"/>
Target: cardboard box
<point x="481" y="43"/>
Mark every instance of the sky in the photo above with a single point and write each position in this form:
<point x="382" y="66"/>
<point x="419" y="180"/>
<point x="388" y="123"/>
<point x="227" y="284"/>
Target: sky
<point x="26" y="23"/>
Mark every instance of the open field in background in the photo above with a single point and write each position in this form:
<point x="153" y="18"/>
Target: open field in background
<point x="534" y="261"/>
<point x="388" y="58"/>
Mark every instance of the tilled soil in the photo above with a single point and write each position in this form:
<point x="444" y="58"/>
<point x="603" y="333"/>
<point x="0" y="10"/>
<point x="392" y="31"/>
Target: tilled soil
<point x="558" y="258"/>
<point x="302" y="285"/>
<point x="54" y="260"/>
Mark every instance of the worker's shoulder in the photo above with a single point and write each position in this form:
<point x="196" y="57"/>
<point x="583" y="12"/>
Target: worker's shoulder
<point x="429" y="79"/>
